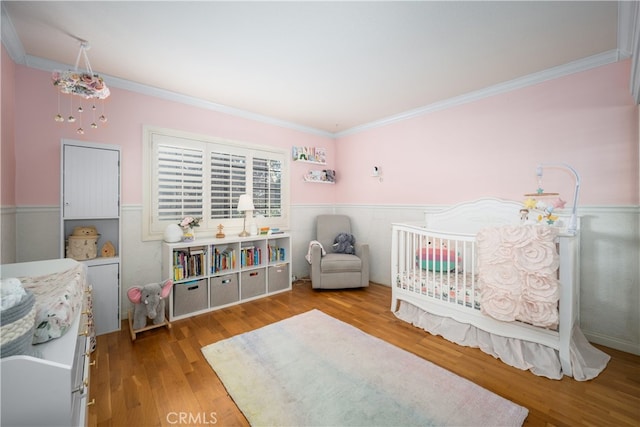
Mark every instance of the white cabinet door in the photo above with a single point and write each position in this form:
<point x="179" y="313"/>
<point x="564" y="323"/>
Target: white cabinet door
<point x="90" y="182"/>
<point x="106" y="297"/>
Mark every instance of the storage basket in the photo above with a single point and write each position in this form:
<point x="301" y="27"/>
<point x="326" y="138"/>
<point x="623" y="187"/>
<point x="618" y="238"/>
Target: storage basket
<point x="82" y="247"/>
<point x="17" y="325"/>
<point x="83" y="243"/>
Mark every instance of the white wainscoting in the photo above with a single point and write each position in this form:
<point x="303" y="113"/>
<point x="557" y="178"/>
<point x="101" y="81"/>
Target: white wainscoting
<point x="610" y="287"/>
<point x="8" y="235"/>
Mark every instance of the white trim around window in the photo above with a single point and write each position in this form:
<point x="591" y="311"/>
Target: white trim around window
<point x="185" y="174"/>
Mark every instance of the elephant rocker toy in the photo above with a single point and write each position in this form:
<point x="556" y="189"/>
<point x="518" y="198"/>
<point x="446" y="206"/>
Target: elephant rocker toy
<point x="148" y="303"/>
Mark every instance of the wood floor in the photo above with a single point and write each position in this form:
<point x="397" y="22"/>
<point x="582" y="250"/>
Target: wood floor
<point x="163" y="379"/>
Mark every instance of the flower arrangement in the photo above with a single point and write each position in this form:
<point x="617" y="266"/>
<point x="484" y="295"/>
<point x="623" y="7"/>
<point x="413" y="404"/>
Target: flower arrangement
<point x="82" y="84"/>
<point x="189" y="222"/>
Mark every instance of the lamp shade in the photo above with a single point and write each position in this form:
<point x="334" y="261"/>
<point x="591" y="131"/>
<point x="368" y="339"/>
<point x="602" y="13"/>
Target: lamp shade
<point x="245" y="203"/>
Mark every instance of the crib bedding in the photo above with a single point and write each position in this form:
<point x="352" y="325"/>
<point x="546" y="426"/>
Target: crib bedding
<point x="457" y="288"/>
<point x="58" y="301"/>
<point x="511" y="291"/>
<point x="517" y="273"/>
<point x="587" y="361"/>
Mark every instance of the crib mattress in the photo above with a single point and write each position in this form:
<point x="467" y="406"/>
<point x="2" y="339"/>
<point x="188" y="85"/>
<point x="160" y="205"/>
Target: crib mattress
<point x="58" y="301"/>
<point x="457" y="288"/>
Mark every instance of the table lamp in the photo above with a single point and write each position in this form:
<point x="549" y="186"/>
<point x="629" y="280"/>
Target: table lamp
<point x="245" y="204"/>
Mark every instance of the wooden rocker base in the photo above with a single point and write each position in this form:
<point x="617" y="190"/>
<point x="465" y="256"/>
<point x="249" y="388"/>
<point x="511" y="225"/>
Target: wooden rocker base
<point x="146" y="328"/>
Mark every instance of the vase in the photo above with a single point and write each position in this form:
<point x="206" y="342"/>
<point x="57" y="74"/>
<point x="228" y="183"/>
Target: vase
<point x="188" y="235"/>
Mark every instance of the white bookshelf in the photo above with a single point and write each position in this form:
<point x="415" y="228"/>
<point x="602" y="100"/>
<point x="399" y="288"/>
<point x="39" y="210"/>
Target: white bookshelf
<point x="210" y="274"/>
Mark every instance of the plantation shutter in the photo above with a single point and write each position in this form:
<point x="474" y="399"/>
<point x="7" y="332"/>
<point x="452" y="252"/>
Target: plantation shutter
<point x="267" y="186"/>
<point x="228" y="182"/>
<point x="203" y="177"/>
<point x="179" y="182"/>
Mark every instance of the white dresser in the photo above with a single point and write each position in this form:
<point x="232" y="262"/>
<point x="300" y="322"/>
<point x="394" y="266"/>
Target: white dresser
<point x="52" y="390"/>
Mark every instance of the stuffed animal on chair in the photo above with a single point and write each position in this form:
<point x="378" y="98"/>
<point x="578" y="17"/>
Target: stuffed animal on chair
<point x="344" y="243"/>
<point x="148" y="302"/>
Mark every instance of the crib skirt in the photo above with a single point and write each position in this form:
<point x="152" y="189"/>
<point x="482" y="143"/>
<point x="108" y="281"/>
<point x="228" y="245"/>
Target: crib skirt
<point x="587" y="361"/>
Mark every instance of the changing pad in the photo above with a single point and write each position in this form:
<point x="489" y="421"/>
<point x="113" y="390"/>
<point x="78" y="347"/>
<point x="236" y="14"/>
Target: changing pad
<point x="58" y="301"/>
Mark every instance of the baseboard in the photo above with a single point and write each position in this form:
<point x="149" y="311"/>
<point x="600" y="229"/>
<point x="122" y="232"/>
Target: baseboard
<point x="628" y="347"/>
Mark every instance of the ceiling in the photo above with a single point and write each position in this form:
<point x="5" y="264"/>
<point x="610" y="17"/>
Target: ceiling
<point x="328" y="67"/>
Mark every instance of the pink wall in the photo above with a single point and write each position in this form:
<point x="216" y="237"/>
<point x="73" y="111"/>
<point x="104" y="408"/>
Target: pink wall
<point x="491" y="147"/>
<point x="38" y="138"/>
<point x="7" y="147"/>
<point x="485" y="148"/>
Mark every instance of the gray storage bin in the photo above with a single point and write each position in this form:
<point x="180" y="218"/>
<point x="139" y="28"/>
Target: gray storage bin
<point x="278" y="277"/>
<point x="224" y="290"/>
<point x="253" y="283"/>
<point x="189" y="297"/>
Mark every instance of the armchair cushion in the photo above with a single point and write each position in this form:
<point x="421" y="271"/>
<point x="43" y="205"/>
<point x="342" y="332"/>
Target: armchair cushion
<point x="340" y="263"/>
<point x="335" y="270"/>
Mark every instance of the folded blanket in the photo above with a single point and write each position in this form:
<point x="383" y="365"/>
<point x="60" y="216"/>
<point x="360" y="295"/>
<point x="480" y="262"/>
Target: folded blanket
<point x="311" y="245"/>
<point x="517" y="274"/>
<point x="11" y="292"/>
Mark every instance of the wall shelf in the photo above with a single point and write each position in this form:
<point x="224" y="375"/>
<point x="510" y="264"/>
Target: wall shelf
<point x="325" y="176"/>
<point x="317" y="181"/>
<point x="311" y="161"/>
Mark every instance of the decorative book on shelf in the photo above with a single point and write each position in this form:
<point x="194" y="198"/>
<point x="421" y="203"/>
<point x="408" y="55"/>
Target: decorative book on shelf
<point x="309" y="154"/>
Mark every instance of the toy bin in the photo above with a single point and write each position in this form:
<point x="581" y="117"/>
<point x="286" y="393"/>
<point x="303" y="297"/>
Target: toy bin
<point x="252" y="283"/>
<point x="278" y="277"/>
<point x="189" y="297"/>
<point x="224" y="290"/>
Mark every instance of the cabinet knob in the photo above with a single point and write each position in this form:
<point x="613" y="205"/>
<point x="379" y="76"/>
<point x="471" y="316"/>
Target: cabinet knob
<point x="93" y="363"/>
<point x="91" y="402"/>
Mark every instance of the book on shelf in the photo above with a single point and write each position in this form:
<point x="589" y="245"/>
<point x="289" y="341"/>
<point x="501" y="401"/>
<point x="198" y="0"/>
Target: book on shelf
<point x="310" y="154"/>
<point x="187" y="263"/>
<point x="223" y="260"/>
<point x="276" y="253"/>
<point x="250" y="256"/>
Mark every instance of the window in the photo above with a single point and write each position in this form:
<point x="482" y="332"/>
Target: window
<point x="203" y="177"/>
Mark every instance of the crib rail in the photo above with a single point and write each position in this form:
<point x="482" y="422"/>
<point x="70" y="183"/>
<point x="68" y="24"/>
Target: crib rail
<point x="436" y="271"/>
<point x="440" y="266"/>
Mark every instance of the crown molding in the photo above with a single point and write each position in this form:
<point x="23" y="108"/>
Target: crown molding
<point x="626" y="25"/>
<point x="48" y="65"/>
<point x="16" y="52"/>
<point x="519" y="83"/>
<point x="10" y="38"/>
<point x="627" y="15"/>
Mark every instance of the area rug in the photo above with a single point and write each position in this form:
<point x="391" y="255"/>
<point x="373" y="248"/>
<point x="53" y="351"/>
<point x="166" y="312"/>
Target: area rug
<point x="314" y="370"/>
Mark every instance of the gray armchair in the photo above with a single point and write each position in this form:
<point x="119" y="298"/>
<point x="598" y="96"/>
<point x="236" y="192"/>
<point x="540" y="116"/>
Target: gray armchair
<point x="337" y="270"/>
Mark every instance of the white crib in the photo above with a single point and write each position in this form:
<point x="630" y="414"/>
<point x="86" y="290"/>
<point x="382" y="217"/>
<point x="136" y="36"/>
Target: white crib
<point x="446" y="290"/>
